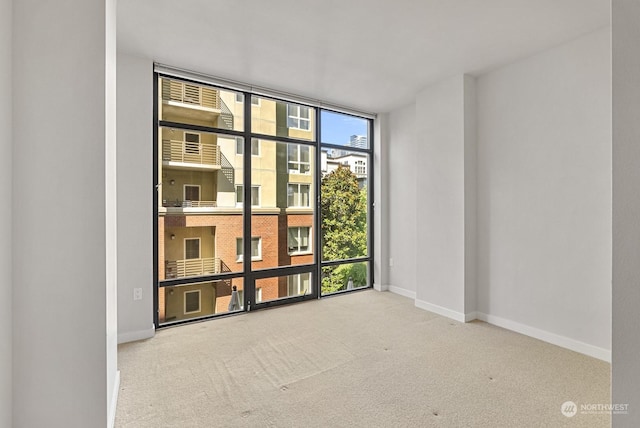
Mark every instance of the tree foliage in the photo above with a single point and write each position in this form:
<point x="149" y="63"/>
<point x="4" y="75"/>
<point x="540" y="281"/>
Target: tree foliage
<point x="344" y="228"/>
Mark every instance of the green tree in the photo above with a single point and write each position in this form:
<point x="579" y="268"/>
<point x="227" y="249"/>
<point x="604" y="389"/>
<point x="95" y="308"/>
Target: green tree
<point x="344" y="227"/>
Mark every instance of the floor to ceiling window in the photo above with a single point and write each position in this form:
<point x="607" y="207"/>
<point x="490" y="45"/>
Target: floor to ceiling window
<point x="259" y="200"/>
<point x="344" y="202"/>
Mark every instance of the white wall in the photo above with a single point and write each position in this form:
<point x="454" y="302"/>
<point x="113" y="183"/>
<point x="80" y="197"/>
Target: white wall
<point x="111" y="225"/>
<point x="544" y="195"/>
<point x="61" y="130"/>
<point x="440" y="209"/>
<point x="512" y="174"/>
<point x="380" y="199"/>
<point x="135" y="182"/>
<point x="470" y="197"/>
<point x="402" y="201"/>
<point x="626" y="211"/>
<point x="6" y="285"/>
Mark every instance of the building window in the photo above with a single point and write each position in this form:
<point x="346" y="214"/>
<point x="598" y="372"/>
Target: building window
<point x="299" y="285"/>
<point x="298" y="195"/>
<point x="239" y="195"/>
<point x="255" y="195"/>
<point x="298" y="117"/>
<point x="192" y="248"/>
<point x="256" y="248"/>
<point x="299" y="240"/>
<point x="254" y="100"/>
<point x="192" y="302"/>
<point x="191" y="143"/>
<point x="298" y="159"/>
<point x="241" y="297"/>
<point x="255" y="146"/>
<point x="191" y="193"/>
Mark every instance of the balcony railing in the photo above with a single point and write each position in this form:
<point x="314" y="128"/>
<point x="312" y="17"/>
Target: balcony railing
<point x="189" y="204"/>
<point x="188" y="152"/>
<point x="189" y="93"/>
<point x="191" y="267"/>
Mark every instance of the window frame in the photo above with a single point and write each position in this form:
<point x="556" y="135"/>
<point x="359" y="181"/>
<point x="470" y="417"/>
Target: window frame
<point x="240" y="257"/>
<point x="297" y="117"/>
<point x="184" y="296"/>
<point x="300" y="252"/>
<point x="299" y="195"/>
<point x="184" y="192"/>
<point x="257" y="145"/>
<point x="199" y="247"/>
<point x="299" y="283"/>
<point x="241" y="204"/>
<point x="305" y="111"/>
<point x="190" y="149"/>
<point x="240" y="143"/>
<point x="299" y="162"/>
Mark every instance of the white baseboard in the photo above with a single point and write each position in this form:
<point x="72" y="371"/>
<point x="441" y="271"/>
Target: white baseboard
<point x="132" y="336"/>
<point x="402" y="292"/>
<point x="380" y="287"/>
<point x="545" y="336"/>
<point x="114" y="400"/>
<point x="470" y="316"/>
<point x="440" y="310"/>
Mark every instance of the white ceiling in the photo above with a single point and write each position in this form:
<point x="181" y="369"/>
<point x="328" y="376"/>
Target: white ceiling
<point x="372" y="55"/>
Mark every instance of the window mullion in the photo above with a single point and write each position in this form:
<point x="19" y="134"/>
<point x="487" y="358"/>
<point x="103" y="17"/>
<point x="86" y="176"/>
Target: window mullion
<point x="249" y="284"/>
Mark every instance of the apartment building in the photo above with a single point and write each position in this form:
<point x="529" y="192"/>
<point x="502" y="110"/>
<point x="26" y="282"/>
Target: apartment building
<point x="201" y="197"/>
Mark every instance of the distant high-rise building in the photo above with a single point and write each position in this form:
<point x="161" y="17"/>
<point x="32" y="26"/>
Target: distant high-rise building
<point x="359" y="141"/>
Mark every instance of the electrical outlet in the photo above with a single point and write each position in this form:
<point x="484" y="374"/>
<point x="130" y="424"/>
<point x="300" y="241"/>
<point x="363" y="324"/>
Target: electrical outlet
<point x="390" y="262"/>
<point x="137" y="294"/>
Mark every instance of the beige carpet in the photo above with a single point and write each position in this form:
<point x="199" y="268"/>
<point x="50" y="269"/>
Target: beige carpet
<point x="366" y="359"/>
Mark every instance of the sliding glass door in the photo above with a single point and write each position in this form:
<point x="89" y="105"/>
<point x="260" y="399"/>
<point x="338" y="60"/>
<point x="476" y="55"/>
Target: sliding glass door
<point x="250" y="208"/>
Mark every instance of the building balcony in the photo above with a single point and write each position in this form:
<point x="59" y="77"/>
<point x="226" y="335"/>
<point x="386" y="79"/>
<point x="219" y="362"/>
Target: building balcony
<point x="192" y="267"/>
<point x="177" y="206"/>
<point x="190" y="95"/>
<point x="188" y="155"/>
<point x="194" y="104"/>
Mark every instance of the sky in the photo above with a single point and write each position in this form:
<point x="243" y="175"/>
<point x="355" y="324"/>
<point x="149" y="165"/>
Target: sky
<point x="337" y="128"/>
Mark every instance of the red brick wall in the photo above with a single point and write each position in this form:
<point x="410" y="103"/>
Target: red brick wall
<point x="266" y="227"/>
<point x="271" y="228"/>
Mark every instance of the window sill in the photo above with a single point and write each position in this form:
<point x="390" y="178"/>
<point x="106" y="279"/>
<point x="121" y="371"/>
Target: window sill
<point x="253" y="259"/>
<point x="299" y="210"/>
<point x="301" y="253"/>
